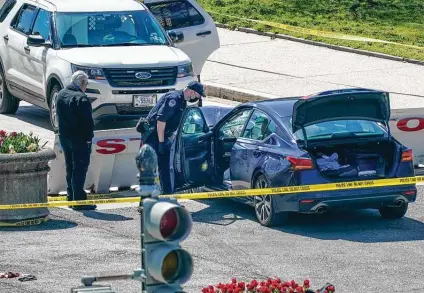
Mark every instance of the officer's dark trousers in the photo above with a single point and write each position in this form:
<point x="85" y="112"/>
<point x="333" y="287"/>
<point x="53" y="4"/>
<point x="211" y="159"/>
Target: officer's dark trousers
<point x="163" y="163"/>
<point x="77" y="159"/>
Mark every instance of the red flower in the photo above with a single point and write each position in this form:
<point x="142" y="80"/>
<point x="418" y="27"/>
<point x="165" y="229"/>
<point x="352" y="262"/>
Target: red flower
<point x="234" y="280"/>
<point x="299" y="289"/>
<point x="3" y="133"/>
<point x="331" y="288"/>
<point x="13" y="134"/>
<point x="241" y="285"/>
<point x="306" y="283"/>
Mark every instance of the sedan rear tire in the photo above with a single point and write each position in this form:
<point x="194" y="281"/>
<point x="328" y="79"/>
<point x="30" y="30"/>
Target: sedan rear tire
<point x="392" y="213"/>
<point x="264" y="205"/>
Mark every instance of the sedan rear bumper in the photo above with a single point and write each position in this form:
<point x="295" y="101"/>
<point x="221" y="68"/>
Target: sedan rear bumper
<point x="353" y="203"/>
<point x="346" y="199"/>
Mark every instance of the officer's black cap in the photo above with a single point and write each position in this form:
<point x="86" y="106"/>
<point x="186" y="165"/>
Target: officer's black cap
<point x="197" y="87"/>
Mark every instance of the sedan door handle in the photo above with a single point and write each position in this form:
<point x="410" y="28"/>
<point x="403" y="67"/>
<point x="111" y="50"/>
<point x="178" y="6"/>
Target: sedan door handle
<point x="6" y="38"/>
<point x="27" y="49"/>
<point x="203" y="33"/>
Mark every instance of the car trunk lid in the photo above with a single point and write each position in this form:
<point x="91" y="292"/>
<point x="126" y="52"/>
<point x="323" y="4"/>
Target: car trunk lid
<point x="349" y="104"/>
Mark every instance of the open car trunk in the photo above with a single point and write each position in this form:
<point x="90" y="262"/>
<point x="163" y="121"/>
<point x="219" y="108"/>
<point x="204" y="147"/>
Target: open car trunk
<point x="364" y="160"/>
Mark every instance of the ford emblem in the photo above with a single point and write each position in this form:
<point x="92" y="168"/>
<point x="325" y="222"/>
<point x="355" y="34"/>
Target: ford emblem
<point x="143" y="75"/>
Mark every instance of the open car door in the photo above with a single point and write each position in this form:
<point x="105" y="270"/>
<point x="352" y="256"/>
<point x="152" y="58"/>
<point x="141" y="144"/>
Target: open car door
<point x="200" y="36"/>
<point x="192" y="151"/>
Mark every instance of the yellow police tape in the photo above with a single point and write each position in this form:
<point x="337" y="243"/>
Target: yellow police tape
<point x="236" y="193"/>
<point x="315" y="32"/>
<point x="30" y="222"/>
<point x="89" y="196"/>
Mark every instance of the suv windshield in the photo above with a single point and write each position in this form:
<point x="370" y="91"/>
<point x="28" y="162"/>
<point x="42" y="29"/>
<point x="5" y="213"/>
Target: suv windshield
<point x="94" y="29"/>
<point x="339" y="129"/>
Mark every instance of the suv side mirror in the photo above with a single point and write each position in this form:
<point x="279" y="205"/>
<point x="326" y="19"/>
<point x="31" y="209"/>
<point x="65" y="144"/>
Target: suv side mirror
<point x="176" y="36"/>
<point x="36" y="40"/>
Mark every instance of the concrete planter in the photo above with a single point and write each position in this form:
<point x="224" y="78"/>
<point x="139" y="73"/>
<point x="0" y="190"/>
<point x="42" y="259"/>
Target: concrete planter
<point x="23" y="179"/>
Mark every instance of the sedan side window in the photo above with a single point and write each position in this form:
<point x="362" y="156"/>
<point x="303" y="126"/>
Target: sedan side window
<point x="194" y="123"/>
<point x="259" y="127"/>
<point x="234" y="126"/>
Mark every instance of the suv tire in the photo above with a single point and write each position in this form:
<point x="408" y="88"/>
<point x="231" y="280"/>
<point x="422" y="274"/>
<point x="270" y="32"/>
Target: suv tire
<point x="8" y="103"/>
<point x="53" y="112"/>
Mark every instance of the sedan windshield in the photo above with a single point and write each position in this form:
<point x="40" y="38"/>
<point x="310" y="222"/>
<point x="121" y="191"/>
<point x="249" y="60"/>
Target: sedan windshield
<point x="95" y="29"/>
<point x="339" y="129"/>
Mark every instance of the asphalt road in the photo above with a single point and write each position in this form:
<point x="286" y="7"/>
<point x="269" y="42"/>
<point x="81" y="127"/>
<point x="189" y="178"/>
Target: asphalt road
<point x="357" y="251"/>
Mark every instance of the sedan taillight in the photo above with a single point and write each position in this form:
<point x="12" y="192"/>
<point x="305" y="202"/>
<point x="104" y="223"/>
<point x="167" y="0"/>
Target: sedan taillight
<point x="300" y="163"/>
<point x="407" y="156"/>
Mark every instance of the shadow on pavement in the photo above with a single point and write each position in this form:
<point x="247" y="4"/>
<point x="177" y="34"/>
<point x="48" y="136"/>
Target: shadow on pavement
<point x="33" y="115"/>
<point x="222" y="212"/>
<point x="365" y="226"/>
<point x="105" y="216"/>
<point x="52" y="224"/>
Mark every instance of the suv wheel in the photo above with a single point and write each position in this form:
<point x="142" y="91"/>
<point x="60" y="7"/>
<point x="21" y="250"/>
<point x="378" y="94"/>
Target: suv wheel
<point x="8" y="103"/>
<point x="53" y="111"/>
<point x="392" y="213"/>
<point x="264" y="205"/>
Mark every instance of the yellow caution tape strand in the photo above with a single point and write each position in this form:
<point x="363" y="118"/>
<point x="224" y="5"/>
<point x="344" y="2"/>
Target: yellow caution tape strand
<point x="236" y="193"/>
<point x="315" y="32"/>
<point x="30" y="222"/>
<point x="89" y="196"/>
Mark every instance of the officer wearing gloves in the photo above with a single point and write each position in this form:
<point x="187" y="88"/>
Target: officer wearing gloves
<point x="76" y="131"/>
<point x="161" y="123"/>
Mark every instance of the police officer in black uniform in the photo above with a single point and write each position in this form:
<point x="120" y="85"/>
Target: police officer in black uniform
<point x="163" y="121"/>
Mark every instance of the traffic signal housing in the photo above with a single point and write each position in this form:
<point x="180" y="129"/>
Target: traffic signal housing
<point x="165" y="225"/>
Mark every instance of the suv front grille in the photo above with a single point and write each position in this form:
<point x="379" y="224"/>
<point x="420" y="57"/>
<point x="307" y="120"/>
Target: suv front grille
<point x="163" y="76"/>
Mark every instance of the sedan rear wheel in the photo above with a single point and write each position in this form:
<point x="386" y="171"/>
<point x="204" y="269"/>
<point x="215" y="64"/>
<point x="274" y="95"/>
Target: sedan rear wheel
<point x="264" y="205"/>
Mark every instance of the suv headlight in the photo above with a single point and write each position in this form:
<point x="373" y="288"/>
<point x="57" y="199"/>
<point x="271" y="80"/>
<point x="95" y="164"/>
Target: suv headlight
<point x="93" y="73"/>
<point x="185" y="70"/>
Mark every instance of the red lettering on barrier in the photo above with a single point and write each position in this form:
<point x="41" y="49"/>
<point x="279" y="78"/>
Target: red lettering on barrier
<point x="402" y="124"/>
<point x="110" y="146"/>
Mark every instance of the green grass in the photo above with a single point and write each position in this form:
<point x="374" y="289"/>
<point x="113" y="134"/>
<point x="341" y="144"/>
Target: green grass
<point x="400" y="21"/>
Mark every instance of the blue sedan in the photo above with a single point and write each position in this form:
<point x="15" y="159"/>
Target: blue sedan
<point x="335" y="136"/>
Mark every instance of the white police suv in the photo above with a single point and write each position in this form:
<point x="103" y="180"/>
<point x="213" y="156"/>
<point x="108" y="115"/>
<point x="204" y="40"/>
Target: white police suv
<point x="126" y="48"/>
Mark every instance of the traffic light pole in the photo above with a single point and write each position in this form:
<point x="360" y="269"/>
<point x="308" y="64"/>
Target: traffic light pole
<point x="146" y="161"/>
<point x="147" y="164"/>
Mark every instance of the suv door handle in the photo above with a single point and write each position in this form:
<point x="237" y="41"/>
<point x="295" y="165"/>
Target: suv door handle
<point x="27" y="49"/>
<point x="203" y="33"/>
<point x="6" y="38"/>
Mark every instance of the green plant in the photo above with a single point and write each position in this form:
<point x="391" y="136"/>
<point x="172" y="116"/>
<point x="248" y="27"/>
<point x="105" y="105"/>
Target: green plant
<point x="13" y="143"/>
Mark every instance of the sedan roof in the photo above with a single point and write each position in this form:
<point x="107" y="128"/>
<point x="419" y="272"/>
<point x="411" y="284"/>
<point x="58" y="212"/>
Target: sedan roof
<point x="282" y="107"/>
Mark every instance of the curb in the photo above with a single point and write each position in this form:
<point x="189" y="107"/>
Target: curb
<point x="320" y="44"/>
<point x="234" y="93"/>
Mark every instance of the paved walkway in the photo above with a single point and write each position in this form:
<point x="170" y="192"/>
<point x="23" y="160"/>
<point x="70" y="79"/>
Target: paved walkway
<point x="287" y="68"/>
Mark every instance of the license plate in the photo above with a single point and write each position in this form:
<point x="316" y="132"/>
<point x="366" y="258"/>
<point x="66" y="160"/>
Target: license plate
<point x="144" y="101"/>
